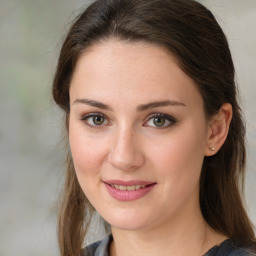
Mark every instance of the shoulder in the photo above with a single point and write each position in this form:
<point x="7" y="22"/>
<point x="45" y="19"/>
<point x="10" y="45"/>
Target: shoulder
<point x="229" y="248"/>
<point x="243" y="252"/>
<point x="99" y="248"/>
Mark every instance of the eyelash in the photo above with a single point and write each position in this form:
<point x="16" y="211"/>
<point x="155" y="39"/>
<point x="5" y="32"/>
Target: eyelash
<point x="167" y="118"/>
<point x="93" y="115"/>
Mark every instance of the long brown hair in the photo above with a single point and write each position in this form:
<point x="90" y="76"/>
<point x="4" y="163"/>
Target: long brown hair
<point x="191" y="33"/>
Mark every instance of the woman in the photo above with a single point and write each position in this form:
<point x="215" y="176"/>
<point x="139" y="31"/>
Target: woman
<point x="155" y="132"/>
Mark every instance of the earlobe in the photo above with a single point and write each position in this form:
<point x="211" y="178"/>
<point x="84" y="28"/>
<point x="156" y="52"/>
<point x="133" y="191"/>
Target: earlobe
<point x="218" y="129"/>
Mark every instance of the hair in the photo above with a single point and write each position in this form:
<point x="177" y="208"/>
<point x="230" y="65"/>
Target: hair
<point x="191" y="33"/>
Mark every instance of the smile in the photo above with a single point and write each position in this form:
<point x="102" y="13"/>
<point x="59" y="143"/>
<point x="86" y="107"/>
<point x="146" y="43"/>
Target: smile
<point x="129" y="188"/>
<point x="128" y="191"/>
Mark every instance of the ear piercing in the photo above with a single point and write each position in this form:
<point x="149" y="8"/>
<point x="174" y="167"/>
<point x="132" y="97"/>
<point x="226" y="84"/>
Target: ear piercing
<point x="212" y="148"/>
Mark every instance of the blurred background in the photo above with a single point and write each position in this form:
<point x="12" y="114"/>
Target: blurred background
<point x="31" y="153"/>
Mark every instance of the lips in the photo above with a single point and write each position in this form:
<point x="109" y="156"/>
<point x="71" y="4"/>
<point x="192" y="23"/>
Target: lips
<point x="128" y="190"/>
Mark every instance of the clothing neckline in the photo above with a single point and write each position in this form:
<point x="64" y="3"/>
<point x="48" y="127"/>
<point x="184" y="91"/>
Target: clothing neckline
<point x="211" y="252"/>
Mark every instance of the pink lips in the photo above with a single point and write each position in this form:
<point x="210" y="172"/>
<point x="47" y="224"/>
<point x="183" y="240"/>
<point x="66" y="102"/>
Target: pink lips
<point x="128" y="195"/>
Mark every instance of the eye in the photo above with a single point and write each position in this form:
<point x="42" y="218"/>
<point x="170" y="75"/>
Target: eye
<point x="94" y="119"/>
<point x="160" y="121"/>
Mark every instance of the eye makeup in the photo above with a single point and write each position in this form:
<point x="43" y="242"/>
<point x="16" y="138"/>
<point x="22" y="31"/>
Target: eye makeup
<point x="160" y="121"/>
<point x="154" y="120"/>
<point x="95" y="120"/>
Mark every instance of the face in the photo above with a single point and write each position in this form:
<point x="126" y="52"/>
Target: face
<point x="137" y="133"/>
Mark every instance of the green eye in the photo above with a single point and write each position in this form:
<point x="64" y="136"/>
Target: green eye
<point x="98" y="120"/>
<point x="159" y="121"/>
<point x="94" y="120"/>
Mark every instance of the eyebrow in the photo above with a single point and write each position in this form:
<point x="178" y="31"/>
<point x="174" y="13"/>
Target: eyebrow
<point x="93" y="103"/>
<point x="157" y="104"/>
<point x="139" y="108"/>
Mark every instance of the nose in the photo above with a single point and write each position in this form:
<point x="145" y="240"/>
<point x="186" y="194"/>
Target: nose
<point x="126" y="152"/>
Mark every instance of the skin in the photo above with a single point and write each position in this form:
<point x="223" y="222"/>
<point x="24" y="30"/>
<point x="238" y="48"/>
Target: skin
<point x="127" y="145"/>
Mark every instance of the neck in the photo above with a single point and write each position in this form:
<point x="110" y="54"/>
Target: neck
<point x="187" y="235"/>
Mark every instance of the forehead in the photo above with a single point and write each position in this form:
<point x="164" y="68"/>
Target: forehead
<point x="131" y="70"/>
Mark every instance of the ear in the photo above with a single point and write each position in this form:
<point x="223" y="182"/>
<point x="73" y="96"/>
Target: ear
<point x="218" y="129"/>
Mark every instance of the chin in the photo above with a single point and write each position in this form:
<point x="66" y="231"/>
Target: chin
<point x="130" y="222"/>
<point x="128" y="226"/>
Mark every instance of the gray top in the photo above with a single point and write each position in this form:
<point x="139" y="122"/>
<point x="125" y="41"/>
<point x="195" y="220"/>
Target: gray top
<point x="226" y="248"/>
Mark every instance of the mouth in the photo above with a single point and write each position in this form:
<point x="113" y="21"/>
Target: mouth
<point x="128" y="188"/>
<point x="128" y="191"/>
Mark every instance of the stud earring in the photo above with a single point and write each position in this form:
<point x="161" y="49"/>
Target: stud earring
<point x="212" y="148"/>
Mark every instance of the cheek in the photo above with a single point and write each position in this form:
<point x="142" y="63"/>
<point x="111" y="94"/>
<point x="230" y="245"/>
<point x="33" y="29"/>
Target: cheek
<point x="88" y="156"/>
<point x="180" y="157"/>
<point x="88" y="152"/>
<point x="180" y="164"/>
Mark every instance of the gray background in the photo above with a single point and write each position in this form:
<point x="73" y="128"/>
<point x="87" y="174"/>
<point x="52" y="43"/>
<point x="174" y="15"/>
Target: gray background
<point x="31" y="154"/>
